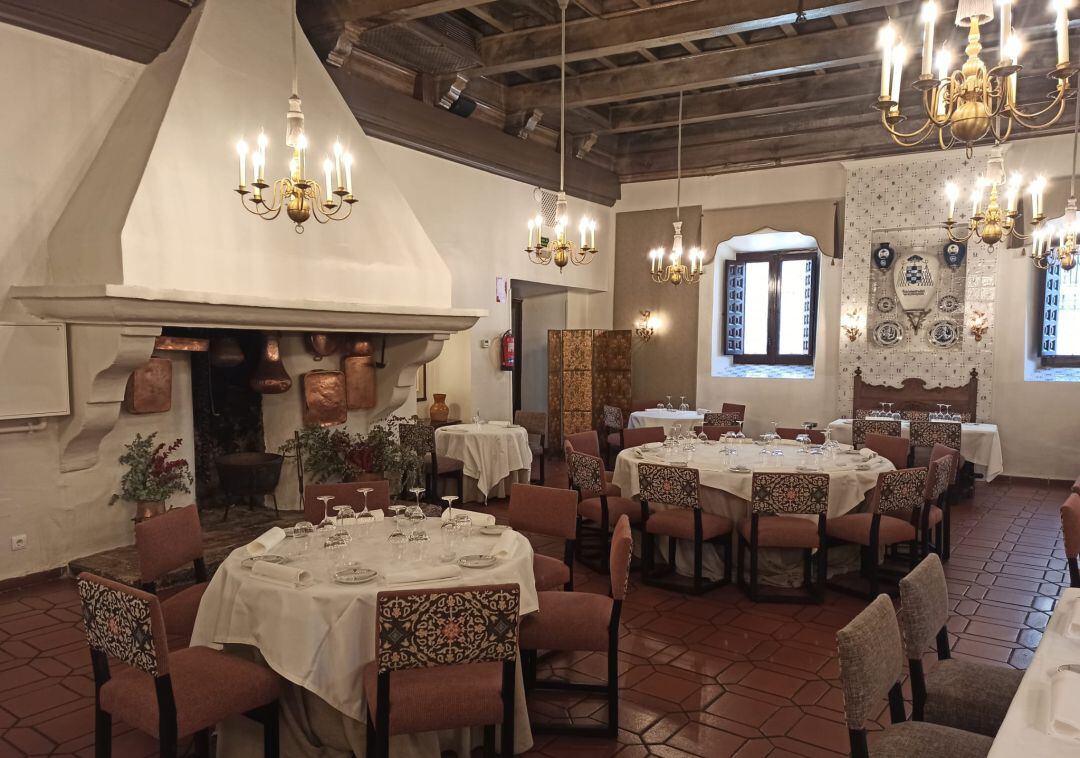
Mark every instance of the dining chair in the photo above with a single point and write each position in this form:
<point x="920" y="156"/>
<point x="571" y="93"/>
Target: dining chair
<point x="893" y="449"/>
<point x="588" y="443"/>
<point x="777" y="502"/>
<point x="444" y="659"/>
<point x="897" y="492"/>
<point x="1076" y="486"/>
<point x="165" y="543"/>
<point x="915" y="415"/>
<point x="961" y="693"/>
<point x="861" y="427"/>
<point x="597" y="510"/>
<point x="723" y="418"/>
<point x="957" y="461"/>
<point x="736" y="408"/>
<point x="582" y="622"/>
<point x="678" y="488"/>
<point x="167" y="694"/>
<point x="614" y="424"/>
<point x="641" y="435"/>
<point x="345" y="493"/>
<point x="535" y="424"/>
<point x="925" y="434"/>
<point x="949" y="498"/>
<point x="1070" y="527"/>
<point x="421" y="438"/>
<point x="871" y="667"/>
<point x="718" y="432"/>
<point x="789" y="433"/>
<point x="552" y="512"/>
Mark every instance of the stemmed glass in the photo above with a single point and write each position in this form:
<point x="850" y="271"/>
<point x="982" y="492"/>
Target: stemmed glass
<point x="450" y="505"/>
<point x="345" y="516"/>
<point x="417" y="535"/>
<point x="326" y="520"/>
<point x="739" y="435"/>
<point x="668" y="405"/>
<point x="682" y="403"/>
<point x="365" y="519"/>
<point x="659" y="406"/>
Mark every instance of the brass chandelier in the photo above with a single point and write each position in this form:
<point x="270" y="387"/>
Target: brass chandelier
<point x="559" y="248"/>
<point x="992" y="222"/>
<point x="298" y="195"/>
<point x="675" y="271"/>
<point x="967" y="104"/>
<point x="1044" y="253"/>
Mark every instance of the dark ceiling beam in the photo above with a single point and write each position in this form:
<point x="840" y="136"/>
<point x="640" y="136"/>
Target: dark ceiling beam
<point x="369" y="13"/>
<point x="399" y="119"/>
<point x="650" y="27"/>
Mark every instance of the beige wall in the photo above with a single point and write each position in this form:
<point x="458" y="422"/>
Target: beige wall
<point x="539" y="313"/>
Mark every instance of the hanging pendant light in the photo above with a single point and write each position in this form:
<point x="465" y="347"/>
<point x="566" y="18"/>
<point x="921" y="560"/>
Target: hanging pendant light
<point x="559" y="248"/>
<point x="675" y="271"/>
<point x="1044" y="253"/>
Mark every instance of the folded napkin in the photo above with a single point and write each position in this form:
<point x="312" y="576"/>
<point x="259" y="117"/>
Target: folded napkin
<point x="1064" y="695"/>
<point x="506" y="545"/>
<point x="501" y="423"/>
<point x="290" y="576"/>
<point x="703" y="411"/>
<point x="266" y="541"/>
<point x="867" y="453"/>
<point x="422" y="573"/>
<point x="478" y="519"/>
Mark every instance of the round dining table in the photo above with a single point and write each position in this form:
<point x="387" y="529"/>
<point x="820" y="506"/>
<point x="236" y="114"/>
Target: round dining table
<point x="727" y="493"/>
<point x="496" y="455"/>
<point x="665" y="418"/>
<point x="320" y="637"/>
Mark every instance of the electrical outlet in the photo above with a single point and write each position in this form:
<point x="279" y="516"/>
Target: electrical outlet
<point x="18" y="542"/>
<point x="485" y="343"/>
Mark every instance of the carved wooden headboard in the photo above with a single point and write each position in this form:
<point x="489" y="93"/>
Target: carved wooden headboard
<point x="914" y="395"/>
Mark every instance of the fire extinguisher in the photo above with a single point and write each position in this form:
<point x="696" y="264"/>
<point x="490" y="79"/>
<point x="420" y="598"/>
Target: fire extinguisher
<point x="506" y="352"/>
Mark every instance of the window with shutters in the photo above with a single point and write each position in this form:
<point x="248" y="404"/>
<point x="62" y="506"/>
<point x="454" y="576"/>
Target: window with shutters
<point x="770" y="307"/>
<point x="1060" y="333"/>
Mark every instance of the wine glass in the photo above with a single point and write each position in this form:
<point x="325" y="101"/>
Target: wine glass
<point x="682" y="403"/>
<point x="739" y="423"/>
<point x="450" y="505"/>
<point x="659" y="406"/>
<point x="397" y="539"/>
<point x="326" y="520"/>
<point x="346" y="517"/>
<point x="702" y="437"/>
<point x="668" y="406"/>
<point x="365" y="519"/>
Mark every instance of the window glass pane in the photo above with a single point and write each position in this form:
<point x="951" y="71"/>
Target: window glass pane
<point x="1068" y="317"/>
<point x="795" y="296"/>
<point x="757" y="308"/>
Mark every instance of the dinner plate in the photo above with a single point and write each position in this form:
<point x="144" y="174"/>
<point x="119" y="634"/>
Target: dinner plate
<point x="249" y="562"/>
<point x="476" y="561"/>
<point x="851" y="452"/>
<point x="652" y="445"/>
<point x="354" y="575"/>
<point x="808" y="469"/>
<point x="740" y="469"/>
<point x="493" y="530"/>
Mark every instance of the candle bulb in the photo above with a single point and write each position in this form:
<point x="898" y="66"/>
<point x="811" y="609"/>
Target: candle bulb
<point x="347" y="160"/>
<point x="886" y="39"/>
<point x="1062" y="27"/>
<point x="952" y="192"/>
<point x="262" y="143"/>
<point x="1013" y="192"/>
<point x="928" y="17"/>
<point x="581" y="231"/>
<point x="531" y="225"/>
<point x="328" y="167"/>
<point x="242" y="152"/>
<point x="337" y="163"/>
<point x="592" y="234"/>
<point x="898" y="56"/>
<point x="1005" y="34"/>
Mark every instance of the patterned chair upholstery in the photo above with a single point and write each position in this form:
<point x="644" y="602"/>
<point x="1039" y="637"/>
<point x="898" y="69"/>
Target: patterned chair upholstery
<point x="722" y="418"/>
<point x="345" y="493"/>
<point x="551" y="512"/>
<point x="444" y="659"/>
<point x="165" y="543"/>
<point x="1070" y="527"/>
<point x="582" y="621"/>
<point x="862" y="427"/>
<point x="597" y="511"/>
<point x="926" y="434"/>
<point x="790" y="433"/>
<point x="861" y="413"/>
<point x="614" y="423"/>
<point x="421" y="438"/>
<point x="641" y="435"/>
<point x="589" y="443"/>
<point x="871" y="664"/>
<point x="777" y="502"/>
<point x="915" y="415"/>
<point x="960" y="693"/>
<point x="894" y="448"/>
<point x="718" y="432"/>
<point x="678" y="488"/>
<point x="535" y="424"/>
<point x="895" y="505"/>
<point x="168" y="695"/>
<point x="736" y="408"/>
<point x="933" y="513"/>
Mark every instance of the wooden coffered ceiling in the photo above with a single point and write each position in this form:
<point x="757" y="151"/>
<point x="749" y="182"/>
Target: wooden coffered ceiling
<point x="766" y="82"/>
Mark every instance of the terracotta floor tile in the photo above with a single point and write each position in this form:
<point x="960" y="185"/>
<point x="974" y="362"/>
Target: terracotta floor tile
<point x="704" y="740"/>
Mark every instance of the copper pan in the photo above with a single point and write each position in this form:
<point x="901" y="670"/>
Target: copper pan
<point x="270" y="376"/>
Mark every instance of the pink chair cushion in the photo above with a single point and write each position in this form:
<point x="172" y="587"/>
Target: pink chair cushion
<point x="1070" y="524"/>
<point x="585" y="442"/>
<point x="443" y="697"/>
<point x="855" y="528"/>
<point x="894" y="449"/>
<point x="642" y="435"/>
<point x="617" y="506"/>
<point x="208" y="686"/>
<point x="622" y="549"/>
<point x="179" y="610"/>
<point x="782" y="531"/>
<point x="549" y="573"/>
<point x="1076" y="486"/>
<point x="679" y="523"/>
<point x="568" y="621"/>
<point x="169" y="541"/>
<point x="936" y="515"/>
<point x="544" y="510"/>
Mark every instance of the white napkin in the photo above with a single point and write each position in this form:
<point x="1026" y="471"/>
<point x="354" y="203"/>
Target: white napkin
<point x="290" y="576"/>
<point x="478" y="519"/>
<point x="867" y="453"/>
<point x="503" y="424"/>
<point x="506" y="545"/>
<point x="422" y="573"/>
<point x="1064" y="695"/>
<point x="703" y="411"/>
<point x="266" y="541"/>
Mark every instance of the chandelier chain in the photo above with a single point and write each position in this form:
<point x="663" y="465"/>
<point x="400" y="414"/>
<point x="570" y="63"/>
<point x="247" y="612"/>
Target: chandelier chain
<point x="562" y="100"/>
<point x="1076" y="134"/>
<point x="678" y="164"/>
<point x="292" y="29"/>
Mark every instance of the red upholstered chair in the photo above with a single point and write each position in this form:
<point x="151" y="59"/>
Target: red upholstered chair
<point x="893" y="448"/>
<point x="535" y="424"/>
<point x="552" y="512"/>
<point x="932" y="514"/>
<point x="588" y="443"/>
<point x="164" y="543"/>
<point x="776" y="503"/>
<point x="678" y="488"/>
<point x="736" y="408"/>
<point x="597" y="510"/>
<point x="944" y="451"/>
<point x="1070" y="527"/>
<point x="614" y="424"/>
<point x="444" y="659"/>
<point x="724" y="418"/>
<point x="861" y="427"/>
<point x="421" y="437"/>
<point x="790" y="433"/>
<point x="345" y="493"/>
<point x="898" y="492"/>
<point x="1076" y="486"/>
<point x="169" y="695"/>
<point x="641" y="435"/>
<point x="915" y="415"/>
<point x="582" y="621"/>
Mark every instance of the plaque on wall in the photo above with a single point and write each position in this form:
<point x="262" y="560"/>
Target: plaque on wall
<point x="954" y="254"/>
<point x="949" y="304"/>
<point x="885" y="304"/>
<point x="883" y="256"/>
<point x="915" y="280"/>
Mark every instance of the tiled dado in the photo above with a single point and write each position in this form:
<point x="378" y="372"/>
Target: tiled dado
<point x="710" y="676"/>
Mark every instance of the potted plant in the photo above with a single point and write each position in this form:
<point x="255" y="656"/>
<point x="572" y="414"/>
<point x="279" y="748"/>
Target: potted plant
<point x="152" y="475"/>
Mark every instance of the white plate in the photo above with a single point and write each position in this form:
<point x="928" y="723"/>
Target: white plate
<point x="807" y="469"/>
<point x="740" y="469"/>
<point x="476" y="561"/>
<point x="493" y="530"/>
<point x="249" y="562"/>
<point x="652" y="445"/>
<point x="354" y="575"/>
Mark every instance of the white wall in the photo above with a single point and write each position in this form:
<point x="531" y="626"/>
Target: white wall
<point x="539" y="313"/>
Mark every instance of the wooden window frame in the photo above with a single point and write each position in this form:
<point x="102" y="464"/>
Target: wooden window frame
<point x="1050" y="358"/>
<point x="775" y="259"/>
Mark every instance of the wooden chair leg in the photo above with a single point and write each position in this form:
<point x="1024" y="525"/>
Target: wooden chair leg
<point x="271" y="733"/>
<point x="102" y="734"/>
<point x="202" y="743"/>
<point x="543" y="469"/>
<point x="489" y="741"/>
<point x="167" y="747"/>
<point x="739" y="562"/>
<point x="370" y="747"/>
<point x="946" y="537"/>
<point x="753" y="574"/>
<point x="613" y="689"/>
<point x="698" y="569"/>
<point x="647" y="561"/>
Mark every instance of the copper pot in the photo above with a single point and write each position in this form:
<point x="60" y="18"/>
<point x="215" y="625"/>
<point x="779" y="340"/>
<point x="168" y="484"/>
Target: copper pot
<point x="270" y="376"/>
<point x="322" y="344"/>
<point x="359" y="344"/>
<point x="359" y="381"/>
<point x="225" y="352"/>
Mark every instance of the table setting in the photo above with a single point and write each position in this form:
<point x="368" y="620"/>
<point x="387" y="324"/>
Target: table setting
<point x="496" y="455"/>
<point x="667" y="416"/>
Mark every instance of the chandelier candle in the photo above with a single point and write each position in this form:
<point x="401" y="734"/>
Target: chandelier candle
<point x="1005" y="35"/>
<point x="886" y="39"/>
<point x="1062" y="26"/>
<point x="928" y="16"/>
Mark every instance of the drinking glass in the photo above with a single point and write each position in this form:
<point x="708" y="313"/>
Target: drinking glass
<point x="397" y="539"/>
<point x="816" y="456"/>
<point x="668" y="406"/>
<point x="682" y="403"/>
<point x="450" y="505"/>
<point x="449" y="532"/>
<point x="739" y="435"/>
<point x="804" y="442"/>
<point x="659" y="406"/>
<point x="396" y="509"/>
<point x="702" y="437"/>
<point x="418" y="542"/>
<point x="346" y="517"/>
<point x="325" y="500"/>
<point x="336" y="547"/>
<point x="302" y="533"/>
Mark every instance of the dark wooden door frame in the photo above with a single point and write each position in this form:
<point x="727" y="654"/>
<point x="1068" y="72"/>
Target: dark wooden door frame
<point x="516" y="321"/>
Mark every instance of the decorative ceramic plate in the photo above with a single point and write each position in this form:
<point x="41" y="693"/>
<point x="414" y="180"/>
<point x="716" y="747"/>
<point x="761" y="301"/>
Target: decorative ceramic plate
<point x="354" y="575"/>
<point x="493" y="530"/>
<point x="476" y="561"/>
<point x="948" y="304"/>
<point x="888" y="334"/>
<point x="886" y="304"/>
<point x="249" y="562"/>
<point x="943" y="333"/>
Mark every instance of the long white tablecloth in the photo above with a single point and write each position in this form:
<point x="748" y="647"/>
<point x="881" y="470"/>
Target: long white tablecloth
<point x="1025" y="730"/>
<point x="979" y="443"/>
<point x="666" y="419"/>
<point x="492" y="453"/>
<point x="320" y="638"/>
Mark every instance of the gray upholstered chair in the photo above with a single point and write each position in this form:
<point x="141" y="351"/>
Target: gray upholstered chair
<point x="960" y="693"/>
<point x="1070" y="527"/>
<point x="871" y="664"/>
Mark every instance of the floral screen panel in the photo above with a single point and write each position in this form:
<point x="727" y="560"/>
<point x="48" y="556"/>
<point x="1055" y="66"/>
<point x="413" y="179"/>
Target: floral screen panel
<point x="587" y="369"/>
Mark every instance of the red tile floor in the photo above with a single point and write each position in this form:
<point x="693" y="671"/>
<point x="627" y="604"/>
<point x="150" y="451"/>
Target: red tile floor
<point x="709" y="676"/>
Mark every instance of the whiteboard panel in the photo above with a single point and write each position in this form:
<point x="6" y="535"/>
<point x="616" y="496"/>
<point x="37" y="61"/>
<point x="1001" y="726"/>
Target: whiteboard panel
<point x="33" y="370"/>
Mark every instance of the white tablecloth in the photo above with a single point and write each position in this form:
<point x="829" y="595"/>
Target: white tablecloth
<point x="979" y="443"/>
<point x="666" y="419"/>
<point x="1024" y="730"/>
<point x="320" y="638"/>
<point x="491" y="452"/>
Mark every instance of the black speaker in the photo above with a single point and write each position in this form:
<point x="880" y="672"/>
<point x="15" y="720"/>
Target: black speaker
<point x="463" y="106"/>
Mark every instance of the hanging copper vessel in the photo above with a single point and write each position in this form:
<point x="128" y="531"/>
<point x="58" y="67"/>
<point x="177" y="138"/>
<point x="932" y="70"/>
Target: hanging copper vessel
<point x="149" y="388"/>
<point x="270" y="376"/>
<point x="225" y="352"/>
<point x="324" y="398"/>
<point x="323" y="344"/>
<point x="359" y="344"/>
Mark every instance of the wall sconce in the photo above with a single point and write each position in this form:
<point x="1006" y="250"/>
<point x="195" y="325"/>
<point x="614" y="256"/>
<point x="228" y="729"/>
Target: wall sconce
<point x="646" y="327"/>
<point x="980" y="324"/>
<point x="851" y="323"/>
